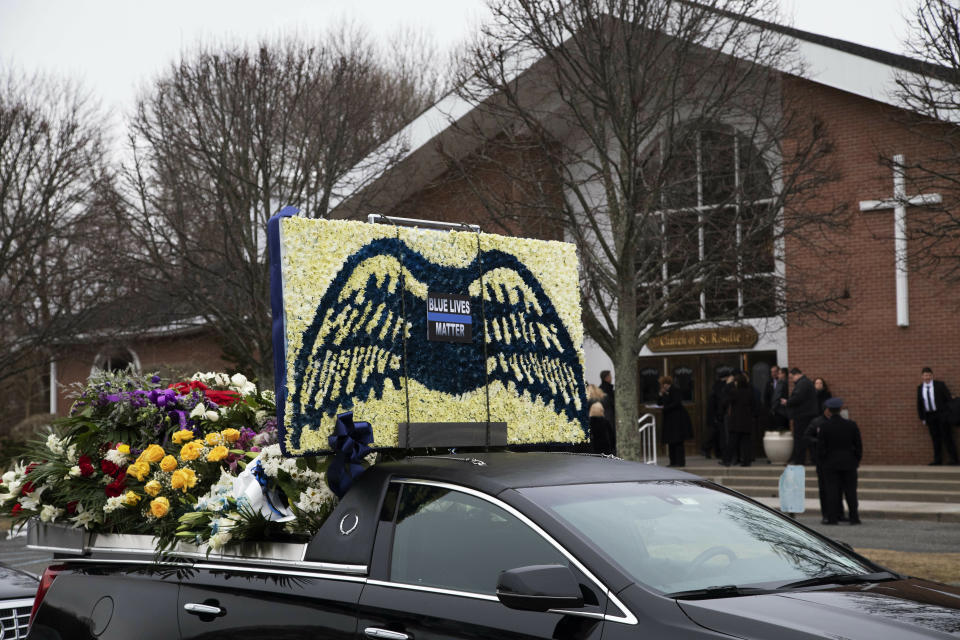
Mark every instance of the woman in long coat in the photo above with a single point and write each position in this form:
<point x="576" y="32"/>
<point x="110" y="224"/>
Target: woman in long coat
<point x="676" y="421"/>
<point x="741" y="408"/>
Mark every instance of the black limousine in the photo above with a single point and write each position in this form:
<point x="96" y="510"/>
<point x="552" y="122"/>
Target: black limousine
<point x="505" y="545"/>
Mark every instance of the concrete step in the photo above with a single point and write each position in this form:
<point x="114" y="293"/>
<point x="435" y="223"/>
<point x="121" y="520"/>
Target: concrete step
<point x="884" y="491"/>
<point x="763" y="469"/>
<point x="862" y="483"/>
<point x="884" y="494"/>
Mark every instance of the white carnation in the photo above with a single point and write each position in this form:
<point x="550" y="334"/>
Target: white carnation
<point x="55" y="444"/>
<point x="117" y="458"/>
<point x="50" y="513"/>
<point x="113" y="504"/>
<point x="314" y="499"/>
<point x="219" y="540"/>
<point x="72" y="454"/>
<point x="75" y="472"/>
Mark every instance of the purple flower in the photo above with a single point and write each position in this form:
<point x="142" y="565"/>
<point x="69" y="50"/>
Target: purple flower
<point x="162" y="397"/>
<point x="155" y="379"/>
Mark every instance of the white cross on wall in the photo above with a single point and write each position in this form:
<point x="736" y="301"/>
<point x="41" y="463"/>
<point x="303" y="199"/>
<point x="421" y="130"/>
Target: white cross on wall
<point x="899" y="204"/>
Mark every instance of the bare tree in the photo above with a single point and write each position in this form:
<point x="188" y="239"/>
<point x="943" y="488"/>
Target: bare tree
<point x="656" y="135"/>
<point x="227" y="137"/>
<point x="930" y="94"/>
<point x="53" y="225"/>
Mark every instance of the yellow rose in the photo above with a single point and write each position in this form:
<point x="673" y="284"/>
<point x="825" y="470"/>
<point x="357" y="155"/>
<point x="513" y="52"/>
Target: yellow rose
<point x="123" y="448"/>
<point x="213" y="439"/>
<point x="159" y="507"/>
<point x="154" y="453"/>
<point x="183" y="479"/>
<point x="139" y="470"/>
<point x="153" y="488"/>
<point x="230" y="435"/>
<point x="168" y="464"/>
<point x="184" y="435"/>
<point x="191" y="450"/>
<point x="130" y="498"/>
<point x="217" y="454"/>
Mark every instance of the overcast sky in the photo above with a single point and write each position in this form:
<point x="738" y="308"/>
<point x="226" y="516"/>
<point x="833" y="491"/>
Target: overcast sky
<point x="115" y="46"/>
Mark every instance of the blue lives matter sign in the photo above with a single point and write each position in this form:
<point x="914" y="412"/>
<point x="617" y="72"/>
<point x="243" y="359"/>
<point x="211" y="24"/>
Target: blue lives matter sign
<point x="448" y="318"/>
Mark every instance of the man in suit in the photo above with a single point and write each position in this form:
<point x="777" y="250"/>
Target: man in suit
<point x="839" y="451"/>
<point x="933" y="400"/>
<point x="772" y="393"/>
<point x="802" y="406"/>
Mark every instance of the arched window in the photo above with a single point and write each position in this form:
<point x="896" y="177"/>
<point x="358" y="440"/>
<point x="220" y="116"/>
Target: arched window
<point x="715" y="217"/>
<point x="116" y="359"/>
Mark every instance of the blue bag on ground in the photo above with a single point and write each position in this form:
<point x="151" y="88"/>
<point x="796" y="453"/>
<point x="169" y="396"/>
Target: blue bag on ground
<point x="793" y="488"/>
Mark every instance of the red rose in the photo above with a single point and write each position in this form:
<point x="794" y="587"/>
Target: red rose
<point x="186" y="387"/>
<point x="72" y="507"/>
<point x="16" y="509"/>
<point x="116" y="487"/>
<point x="108" y="468"/>
<point x="86" y="466"/>
<point x="223" y="398"/>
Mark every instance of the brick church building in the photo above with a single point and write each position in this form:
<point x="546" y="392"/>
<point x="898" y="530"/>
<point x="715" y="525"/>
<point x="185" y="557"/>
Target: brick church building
<point x="871" y="353"/>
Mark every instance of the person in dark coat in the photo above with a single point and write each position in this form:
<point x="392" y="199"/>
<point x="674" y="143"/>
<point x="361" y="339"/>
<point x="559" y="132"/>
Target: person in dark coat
<point x="839" y="450"/>
<point x="741" y="409"/>
<point x="772" y="393"/>
<point x="811" y="439"/>
<point x="609" y="406"/>
<point x="676" y="421"/>
<point x="715" y="441"/>
<point x="933" y="401"/>
<point x="602" y="434"/>
<point x="823" y="393"/>
<point x="802" y="405"/>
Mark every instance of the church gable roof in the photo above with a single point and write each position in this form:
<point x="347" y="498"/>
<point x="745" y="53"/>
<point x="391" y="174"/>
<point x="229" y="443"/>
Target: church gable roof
<point x="854" y="68"/>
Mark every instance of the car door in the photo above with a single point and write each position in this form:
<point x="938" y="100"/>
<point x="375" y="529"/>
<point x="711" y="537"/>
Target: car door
<point x="438" y="554"/>
<point x="259" y="603"/>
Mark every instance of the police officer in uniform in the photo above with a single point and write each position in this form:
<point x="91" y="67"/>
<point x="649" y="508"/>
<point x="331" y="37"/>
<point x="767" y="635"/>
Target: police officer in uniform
<point x="839" y="451"/>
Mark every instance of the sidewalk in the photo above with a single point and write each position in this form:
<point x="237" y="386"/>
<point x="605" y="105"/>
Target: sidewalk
<point x="887" y="509"/>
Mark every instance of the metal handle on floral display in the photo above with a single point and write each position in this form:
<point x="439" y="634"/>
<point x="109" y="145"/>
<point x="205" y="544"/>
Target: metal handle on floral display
<point x="202" y="609"/>
<point x="385" y="634"/>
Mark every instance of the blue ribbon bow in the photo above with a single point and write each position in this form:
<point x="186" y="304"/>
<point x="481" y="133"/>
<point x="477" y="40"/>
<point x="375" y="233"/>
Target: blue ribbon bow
<point x="261" y="477"/>
<point x="349" y="443"/>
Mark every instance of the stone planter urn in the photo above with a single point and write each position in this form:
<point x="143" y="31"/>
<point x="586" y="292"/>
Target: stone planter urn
<point x="778" y="445"/>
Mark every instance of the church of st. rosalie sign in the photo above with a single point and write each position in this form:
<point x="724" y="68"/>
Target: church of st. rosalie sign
<point x="704" y="339"/>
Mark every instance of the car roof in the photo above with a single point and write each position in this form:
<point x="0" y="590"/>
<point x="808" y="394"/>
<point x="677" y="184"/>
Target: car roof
<point x="513" y="469"/>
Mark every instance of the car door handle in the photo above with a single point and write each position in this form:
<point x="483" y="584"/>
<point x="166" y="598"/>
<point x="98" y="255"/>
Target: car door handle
<point x="202" y="609"/>
<point x="385" y="634"/>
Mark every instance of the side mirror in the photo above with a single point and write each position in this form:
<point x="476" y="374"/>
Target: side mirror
<point x="539" y="588"/>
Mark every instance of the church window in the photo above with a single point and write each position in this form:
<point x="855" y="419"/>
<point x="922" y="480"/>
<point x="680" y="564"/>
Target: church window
<point x="715" y="221"/>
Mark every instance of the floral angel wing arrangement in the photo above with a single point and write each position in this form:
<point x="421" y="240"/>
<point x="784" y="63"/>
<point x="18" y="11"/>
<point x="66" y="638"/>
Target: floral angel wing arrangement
<point x="194" y="460"/>
<point x="405" y="325"/>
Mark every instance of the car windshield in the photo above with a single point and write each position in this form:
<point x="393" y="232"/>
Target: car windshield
<point x="676" y="536"/>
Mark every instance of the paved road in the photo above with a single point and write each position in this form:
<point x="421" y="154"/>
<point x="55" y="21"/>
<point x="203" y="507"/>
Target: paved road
<point x="13" y="553"/>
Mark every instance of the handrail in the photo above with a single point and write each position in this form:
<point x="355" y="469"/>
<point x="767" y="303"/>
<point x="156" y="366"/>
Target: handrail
<point x="647" y="427"/>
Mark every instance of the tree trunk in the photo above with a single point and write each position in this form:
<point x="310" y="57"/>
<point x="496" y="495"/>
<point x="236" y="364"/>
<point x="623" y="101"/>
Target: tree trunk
<point x="625" y="366"/>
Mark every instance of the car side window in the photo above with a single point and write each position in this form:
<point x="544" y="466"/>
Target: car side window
<point x="453" y="540"/>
